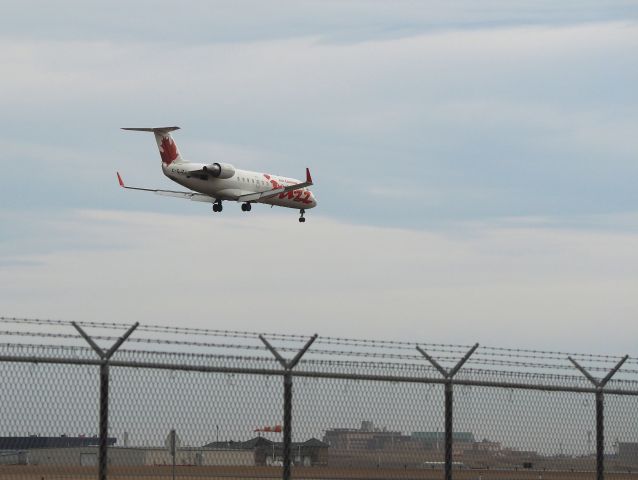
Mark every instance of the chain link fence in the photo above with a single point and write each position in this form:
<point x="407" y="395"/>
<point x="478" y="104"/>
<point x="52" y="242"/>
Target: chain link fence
<point x="93" y="400"/>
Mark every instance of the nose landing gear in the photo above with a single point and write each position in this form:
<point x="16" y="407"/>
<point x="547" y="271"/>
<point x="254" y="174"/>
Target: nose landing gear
<point x="246" y="207"/>
<point x="217" y="206"/>
<point x="302" y="218"/>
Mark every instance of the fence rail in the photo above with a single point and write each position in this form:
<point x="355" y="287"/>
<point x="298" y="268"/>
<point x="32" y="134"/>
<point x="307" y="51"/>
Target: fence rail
<point x="359" y="408"/>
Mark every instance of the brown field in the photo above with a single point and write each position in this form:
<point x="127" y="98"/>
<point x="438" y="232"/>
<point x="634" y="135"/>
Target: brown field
<point x="306" y="473"/>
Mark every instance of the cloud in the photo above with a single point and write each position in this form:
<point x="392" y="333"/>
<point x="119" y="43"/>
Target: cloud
<point x="199" y="21"/>
<point x="341" y="87"/>
<point x="515" y="285"/>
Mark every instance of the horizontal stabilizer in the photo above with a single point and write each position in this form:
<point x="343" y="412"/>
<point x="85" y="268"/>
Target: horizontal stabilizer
<point x="158" y="129"/>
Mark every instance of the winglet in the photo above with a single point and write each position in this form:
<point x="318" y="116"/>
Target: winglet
<point x="119" y="179"/>
<point x="308" y="177"/>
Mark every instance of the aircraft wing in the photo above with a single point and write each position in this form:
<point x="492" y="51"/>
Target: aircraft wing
<point x="197" y="197"/>
<point x="253" y="197"/>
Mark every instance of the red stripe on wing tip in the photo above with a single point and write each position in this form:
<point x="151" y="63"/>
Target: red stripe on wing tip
<point x="308" y="177"/>
<point x="119" y="179"/>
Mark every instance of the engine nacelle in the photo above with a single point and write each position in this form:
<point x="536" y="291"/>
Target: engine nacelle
<point x="220" y="170"/>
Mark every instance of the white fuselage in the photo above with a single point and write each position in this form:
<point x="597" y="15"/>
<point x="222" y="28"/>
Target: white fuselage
<point x="243" y="182"/>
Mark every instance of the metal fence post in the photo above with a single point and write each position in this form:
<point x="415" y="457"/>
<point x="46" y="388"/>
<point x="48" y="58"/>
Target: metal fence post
<point x="104" y="420"/>
<point x="600" y="412"/>
<point x="449" y="403"/>
<point x="600" y="435"/>
<point x="288" y="367"/>
<point x="287" y="423"/>
<point x="449" y="412"/>
<point x="105" y="356"/>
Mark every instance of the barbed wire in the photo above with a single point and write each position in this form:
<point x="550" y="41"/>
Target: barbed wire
<point x="331" y="353"/>
<point x="374" y="349"/>
<point x="152" y="328"/>
<point x="326" y="365"/>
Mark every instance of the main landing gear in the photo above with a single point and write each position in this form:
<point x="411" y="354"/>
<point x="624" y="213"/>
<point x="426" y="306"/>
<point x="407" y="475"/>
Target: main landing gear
<point x="217" y="206"/>
<point x="246" y="207"/>
<point x="301" y="218"/>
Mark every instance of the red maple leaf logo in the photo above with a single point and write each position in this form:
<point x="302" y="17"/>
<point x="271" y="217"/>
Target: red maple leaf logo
<point x="168" y="150"/>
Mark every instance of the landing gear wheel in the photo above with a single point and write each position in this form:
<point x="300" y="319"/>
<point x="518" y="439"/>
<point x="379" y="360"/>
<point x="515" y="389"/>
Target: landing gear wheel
<point x="246" y="207"/>
<point x="217" y="206"/>
<point x="301" y="218"/>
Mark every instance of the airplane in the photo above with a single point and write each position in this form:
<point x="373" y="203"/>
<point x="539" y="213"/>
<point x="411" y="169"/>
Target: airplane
<point x="216" y="182"/>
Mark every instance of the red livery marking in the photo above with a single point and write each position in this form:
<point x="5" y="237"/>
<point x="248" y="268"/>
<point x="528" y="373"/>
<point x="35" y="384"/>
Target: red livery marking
<point x="168" y="150"/>
<point x="306" y="197"/>
<point x="288" y="195"/>
<point x="303" y="196"/>
<point x="273" y="182"/>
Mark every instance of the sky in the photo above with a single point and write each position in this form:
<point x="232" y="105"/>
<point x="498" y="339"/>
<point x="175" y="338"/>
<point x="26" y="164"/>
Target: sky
<point x="475" y="167"/>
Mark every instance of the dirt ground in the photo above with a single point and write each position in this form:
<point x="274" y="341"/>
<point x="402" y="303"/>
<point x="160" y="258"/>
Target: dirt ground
<point x="307" y="473"/>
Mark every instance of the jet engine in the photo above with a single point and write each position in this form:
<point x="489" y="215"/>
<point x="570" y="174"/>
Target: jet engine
<point x="219" y="170"/>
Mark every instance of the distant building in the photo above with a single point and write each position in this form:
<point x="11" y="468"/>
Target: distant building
<point x="434" y="439"/>
<point x="36" y="441"/>
<point x="267" y="452"/>
<point x="13" y="457"/>
<point x="17" y="450"/>
<point x="120" y="457"/>
<point x="628" y="451"/>
<point x="487" y="446"/>
<point x="364" y="438"/>
<point x="83" y="451"/>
